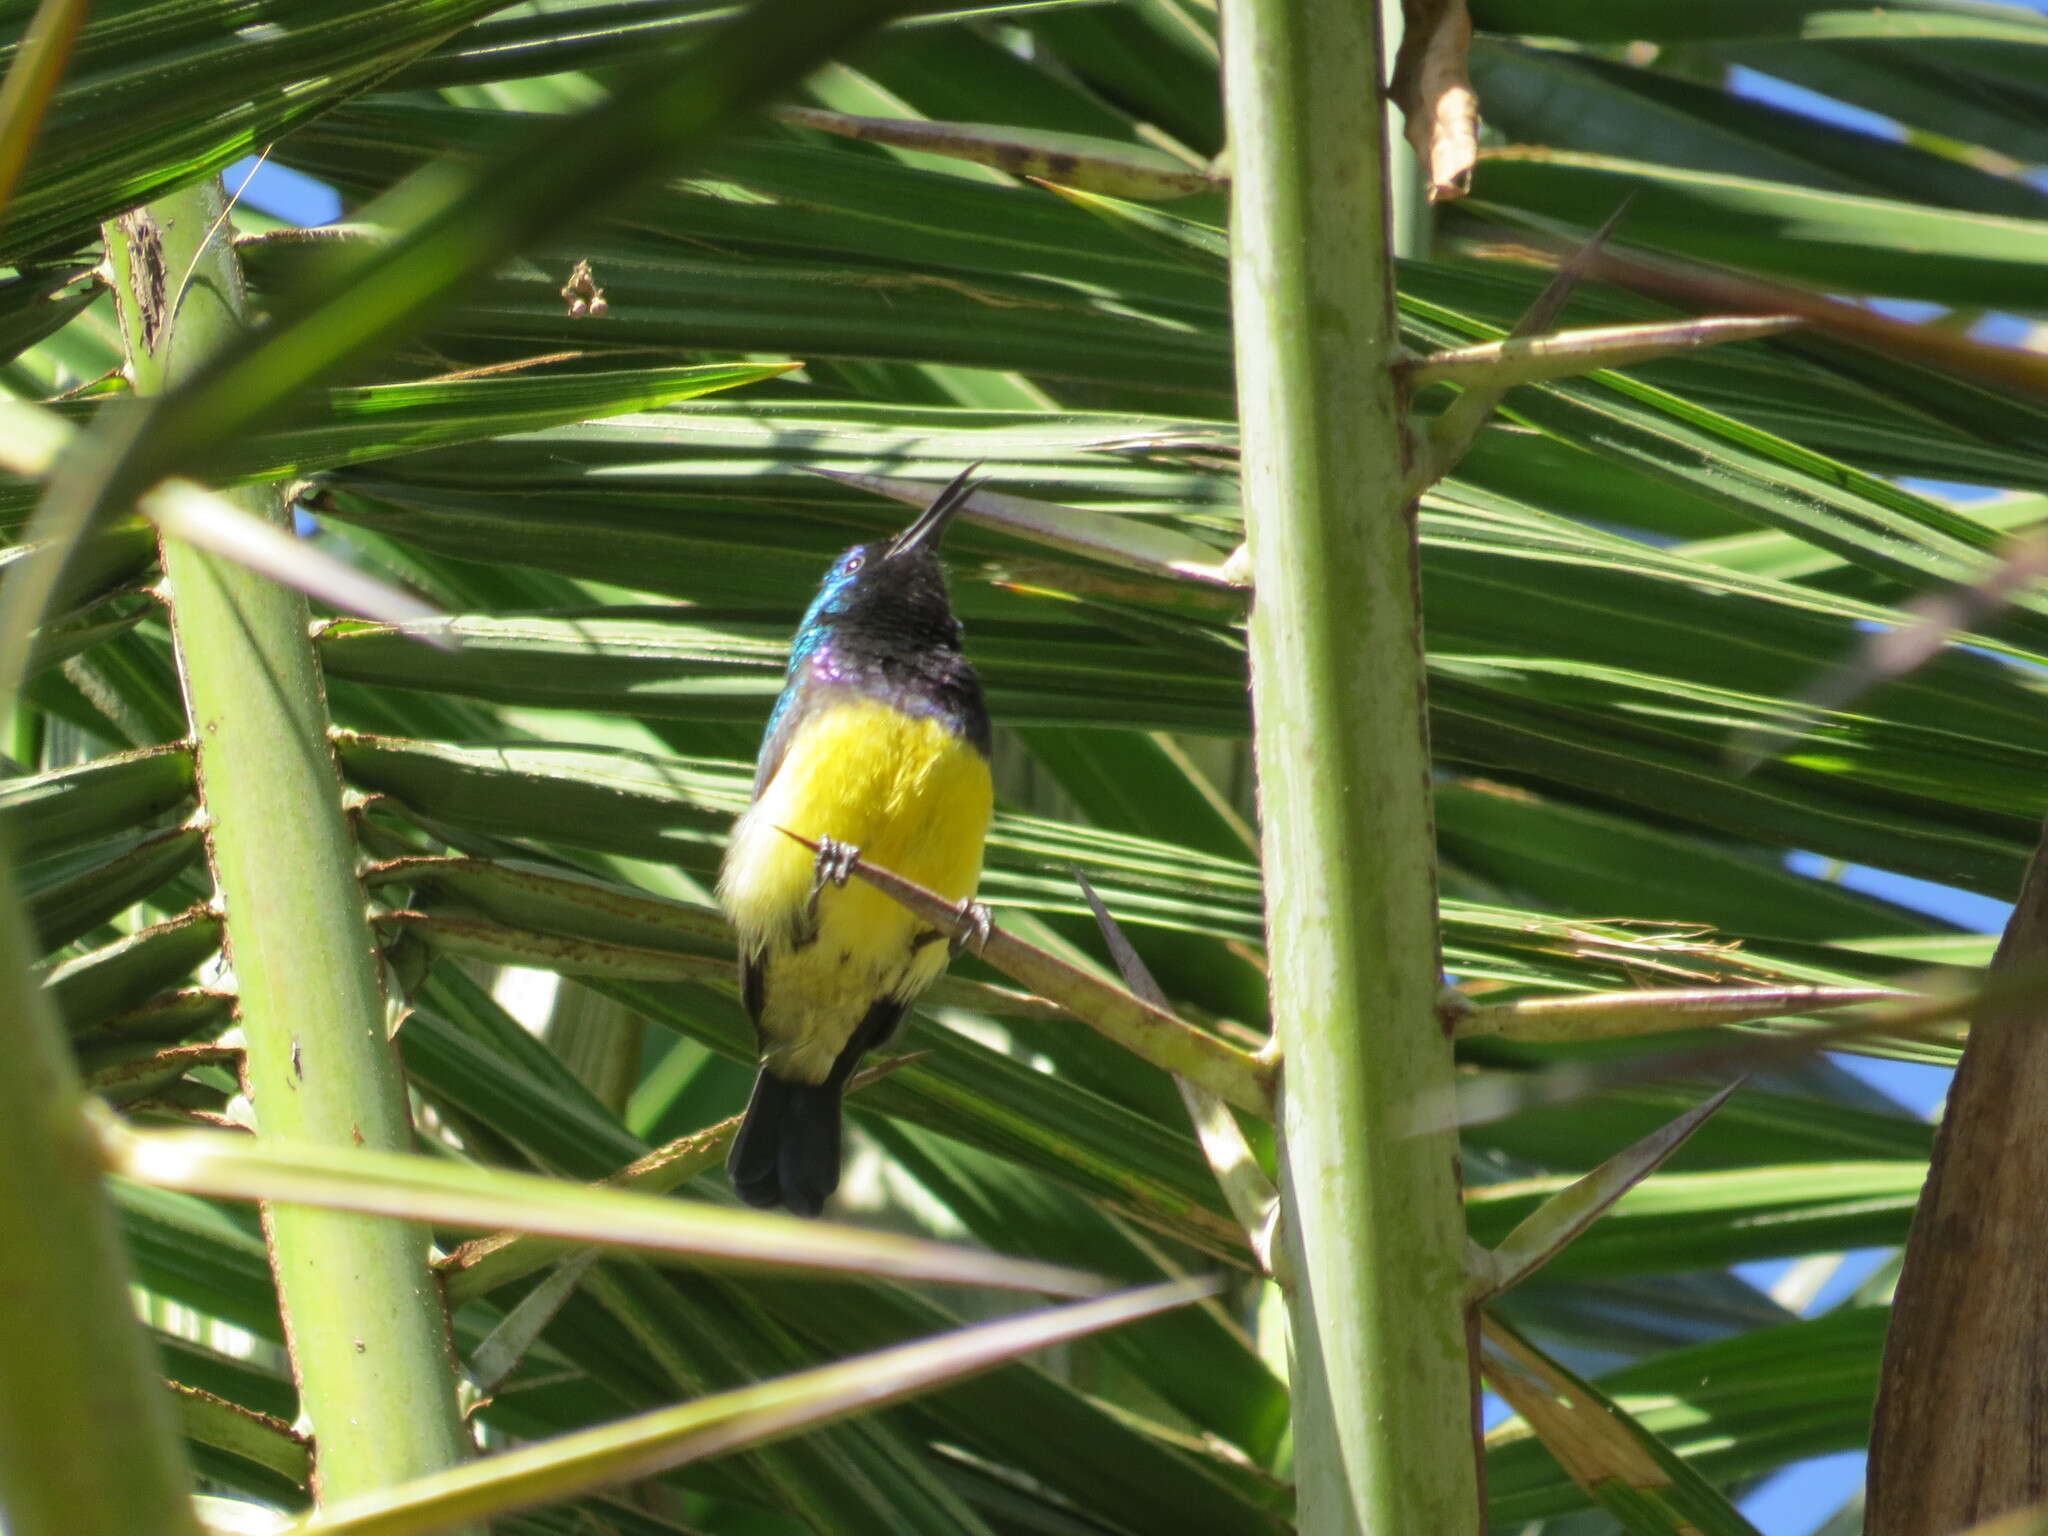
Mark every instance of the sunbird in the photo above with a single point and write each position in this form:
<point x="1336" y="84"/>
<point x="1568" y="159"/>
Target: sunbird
<point x="878" y="748"/>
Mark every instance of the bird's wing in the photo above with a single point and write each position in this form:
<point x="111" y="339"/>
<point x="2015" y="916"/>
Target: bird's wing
<point x="754" y="985"/>
<point x="790" y="709"/>
<point x="872" y="1032"/>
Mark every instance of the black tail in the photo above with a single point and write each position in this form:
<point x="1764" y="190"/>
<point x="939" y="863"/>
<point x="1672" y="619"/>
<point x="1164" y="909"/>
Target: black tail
<point x="787" y="1151"/>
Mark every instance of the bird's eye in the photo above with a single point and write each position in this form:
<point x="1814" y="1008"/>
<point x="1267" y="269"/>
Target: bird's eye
<point x="855" y="562"/>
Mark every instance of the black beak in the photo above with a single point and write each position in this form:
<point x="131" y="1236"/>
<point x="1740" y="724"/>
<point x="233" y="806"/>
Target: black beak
<point x="930" y="526"/>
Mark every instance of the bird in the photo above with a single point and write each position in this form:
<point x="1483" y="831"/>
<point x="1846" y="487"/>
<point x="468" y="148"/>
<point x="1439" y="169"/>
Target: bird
<point x="877" y="749"/>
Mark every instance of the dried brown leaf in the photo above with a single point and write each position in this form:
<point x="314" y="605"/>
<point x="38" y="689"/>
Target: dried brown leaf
<point x="1433" y="88"/>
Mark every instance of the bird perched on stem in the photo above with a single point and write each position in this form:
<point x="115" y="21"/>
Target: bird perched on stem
<point x="878" y="749"/>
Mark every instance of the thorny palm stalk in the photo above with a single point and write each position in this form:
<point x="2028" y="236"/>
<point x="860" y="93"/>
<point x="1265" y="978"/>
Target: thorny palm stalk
<point x="1382" y="1420"/>
<point x="364" y="1318"/>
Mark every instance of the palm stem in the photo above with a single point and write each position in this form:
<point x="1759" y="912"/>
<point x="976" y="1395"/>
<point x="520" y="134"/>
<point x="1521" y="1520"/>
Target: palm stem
<point x="1383" y="1423"/>
<point x="368" y="1335"/>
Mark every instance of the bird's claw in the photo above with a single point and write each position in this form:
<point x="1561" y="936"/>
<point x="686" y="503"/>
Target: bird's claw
<point x="834" y="867"/>
<point x="976" y="924"/>
<point x="835" y="863"/>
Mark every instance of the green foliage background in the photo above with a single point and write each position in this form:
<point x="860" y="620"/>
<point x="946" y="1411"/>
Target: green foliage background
<point x="1627" y="569"/>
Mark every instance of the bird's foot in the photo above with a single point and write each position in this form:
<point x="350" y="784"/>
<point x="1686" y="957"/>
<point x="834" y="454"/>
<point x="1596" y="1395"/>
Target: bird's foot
<point x="834" y="867"/>
<point x="835" y="862"/>
<point x="976" y="924"/>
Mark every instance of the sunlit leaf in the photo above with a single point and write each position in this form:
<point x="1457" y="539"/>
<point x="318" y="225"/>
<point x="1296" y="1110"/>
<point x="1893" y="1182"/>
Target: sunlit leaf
<point x="418" y="1189"/>
<point x="636" y="1448"/>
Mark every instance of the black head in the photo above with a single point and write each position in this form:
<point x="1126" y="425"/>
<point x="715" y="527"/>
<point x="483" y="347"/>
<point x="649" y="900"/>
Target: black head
<point x="896" y="586"/>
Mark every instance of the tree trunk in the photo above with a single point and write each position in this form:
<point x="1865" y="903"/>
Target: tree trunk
<point x="1962" y="1411"/>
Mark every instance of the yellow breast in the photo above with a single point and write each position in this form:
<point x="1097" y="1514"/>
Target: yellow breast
<point x="913" y="797"/>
